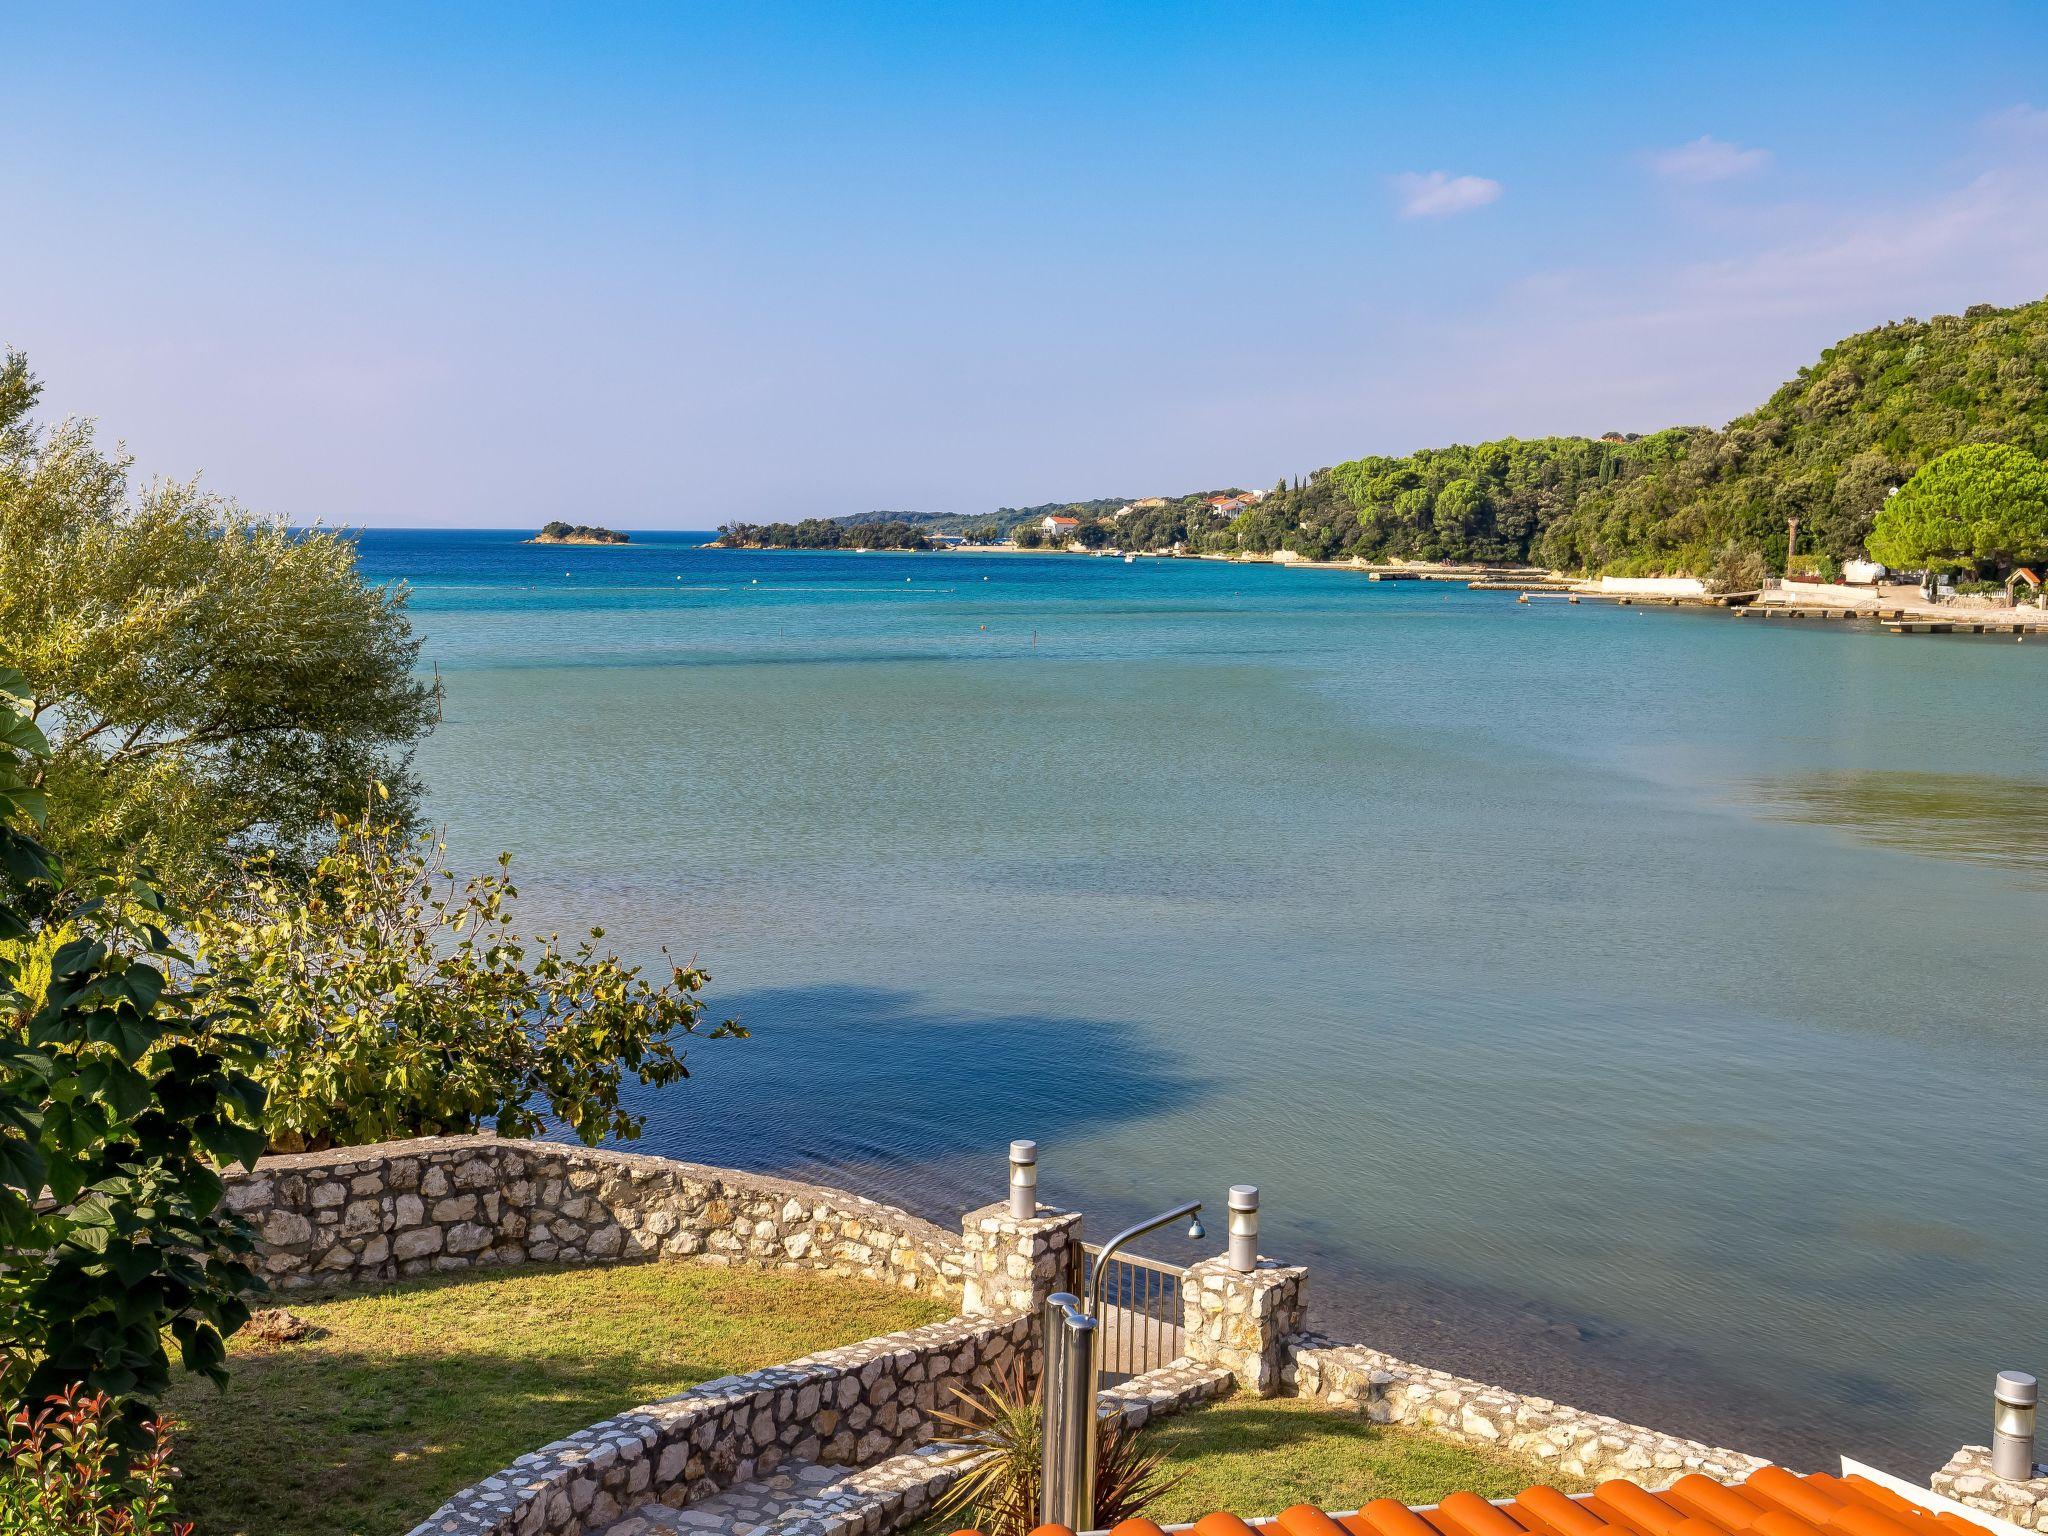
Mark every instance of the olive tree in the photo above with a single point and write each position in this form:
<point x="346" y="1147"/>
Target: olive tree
<point x="210" y="681"/>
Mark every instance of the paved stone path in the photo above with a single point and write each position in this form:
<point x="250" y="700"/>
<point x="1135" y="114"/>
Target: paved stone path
<point x="802" y="1499"/>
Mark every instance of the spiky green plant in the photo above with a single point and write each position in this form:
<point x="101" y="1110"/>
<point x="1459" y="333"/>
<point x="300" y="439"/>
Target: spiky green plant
<point x="1000" y="1429"/>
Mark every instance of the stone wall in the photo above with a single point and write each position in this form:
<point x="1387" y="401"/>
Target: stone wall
<point x="1012" y="1265"/>
<point x="846" y="1406"/>
<point x="1968" y="1479"/>
<point x="1576" y="1443"/>
<point x="374" y="1213"/>
<point x="1244" y="1321"/>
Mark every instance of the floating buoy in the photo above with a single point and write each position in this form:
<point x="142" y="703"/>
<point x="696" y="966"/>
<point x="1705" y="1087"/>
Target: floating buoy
<point x="1523" y="598"/>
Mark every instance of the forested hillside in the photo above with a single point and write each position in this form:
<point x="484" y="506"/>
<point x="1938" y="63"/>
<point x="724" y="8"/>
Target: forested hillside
<point x="1827" y="446"/>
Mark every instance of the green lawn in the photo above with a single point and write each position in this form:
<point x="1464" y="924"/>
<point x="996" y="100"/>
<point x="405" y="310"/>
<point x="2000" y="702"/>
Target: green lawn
<point x="409" y="1393"/>
<point x="1256" y="1458"/>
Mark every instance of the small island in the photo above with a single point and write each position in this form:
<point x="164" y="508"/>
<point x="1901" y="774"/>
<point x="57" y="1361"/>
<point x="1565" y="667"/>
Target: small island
<point x="577" y="533"/>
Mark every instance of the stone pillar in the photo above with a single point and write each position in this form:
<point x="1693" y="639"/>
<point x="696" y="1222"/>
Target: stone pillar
<point x="1242" y="1321"/>
<point x="1968" y="1479"/>
<point x="1012" y="1265"/>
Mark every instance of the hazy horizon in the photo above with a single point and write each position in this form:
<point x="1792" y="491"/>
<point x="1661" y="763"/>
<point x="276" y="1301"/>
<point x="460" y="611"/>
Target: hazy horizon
<point x="488" y="267"/>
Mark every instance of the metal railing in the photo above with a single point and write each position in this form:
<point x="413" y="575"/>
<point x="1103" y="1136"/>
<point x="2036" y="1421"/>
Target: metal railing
<point x="1140" y="1314"/>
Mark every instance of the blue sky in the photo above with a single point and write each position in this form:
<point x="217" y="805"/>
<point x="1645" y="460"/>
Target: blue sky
<point x="660" y="266"/>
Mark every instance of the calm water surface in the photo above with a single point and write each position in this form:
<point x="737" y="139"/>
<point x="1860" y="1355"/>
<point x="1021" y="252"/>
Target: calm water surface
<point x="1639" y="1006"/>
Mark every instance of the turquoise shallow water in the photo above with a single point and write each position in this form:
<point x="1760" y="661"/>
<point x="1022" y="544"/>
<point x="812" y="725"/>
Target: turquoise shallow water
<point x="1637" y="1005"/>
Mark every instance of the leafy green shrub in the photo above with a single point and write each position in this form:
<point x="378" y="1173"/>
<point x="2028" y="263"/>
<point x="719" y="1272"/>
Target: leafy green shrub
<point x="113" y="1118"/>
<point x="1737" y="568"/>
<point x="394" y="1000"/>
<point x="1814" y="567"/>
<point x="65" y="1472"/>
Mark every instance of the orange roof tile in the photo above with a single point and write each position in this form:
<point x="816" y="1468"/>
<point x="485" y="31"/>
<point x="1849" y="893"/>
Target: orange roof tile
<point x="1773" y="1502"/>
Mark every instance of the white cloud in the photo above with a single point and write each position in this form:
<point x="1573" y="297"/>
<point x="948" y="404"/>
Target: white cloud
<point x="1615" y="343"/>
<point x="1436" y="195"/>
<point x="2020" y="121"/>
<point x="1707" y="158"/>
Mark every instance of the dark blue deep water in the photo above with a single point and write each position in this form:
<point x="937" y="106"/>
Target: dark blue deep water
<point x="1643" y="1006"/>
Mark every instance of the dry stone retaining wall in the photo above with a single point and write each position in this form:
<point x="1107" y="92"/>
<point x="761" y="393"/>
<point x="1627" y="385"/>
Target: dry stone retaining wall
<point x="1591" y="1445"/>
<point x="848" y="1407"/>
<point x="406" y="1208"/>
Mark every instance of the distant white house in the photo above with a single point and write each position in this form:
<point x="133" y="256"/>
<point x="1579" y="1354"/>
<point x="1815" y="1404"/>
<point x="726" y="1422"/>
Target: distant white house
<point x="1059" y="527"/>
<point x="1862" y="573"/>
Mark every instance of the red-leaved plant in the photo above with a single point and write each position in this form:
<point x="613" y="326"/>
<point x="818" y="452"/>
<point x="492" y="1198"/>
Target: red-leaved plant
<point x="63" y="1473"/>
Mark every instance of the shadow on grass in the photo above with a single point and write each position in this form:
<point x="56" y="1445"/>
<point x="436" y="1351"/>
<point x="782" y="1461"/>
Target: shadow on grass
<point x="1242" y="1428"/>
<point x="417" y="1390"/>
<point x="1255" y="1458"/>
<point x="324" y="1443"/>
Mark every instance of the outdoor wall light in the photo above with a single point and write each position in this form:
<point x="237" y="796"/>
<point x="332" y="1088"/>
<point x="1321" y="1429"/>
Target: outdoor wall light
<point x="2012" y="1425"/>
<point x="1196" y="1231"/>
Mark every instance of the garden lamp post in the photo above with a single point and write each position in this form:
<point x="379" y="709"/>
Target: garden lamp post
<point x="2014" y="1397"/>
<point x="1023" y="1180"/>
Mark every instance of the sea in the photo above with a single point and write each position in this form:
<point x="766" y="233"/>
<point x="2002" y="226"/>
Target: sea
<point x="1634" y="1005"/>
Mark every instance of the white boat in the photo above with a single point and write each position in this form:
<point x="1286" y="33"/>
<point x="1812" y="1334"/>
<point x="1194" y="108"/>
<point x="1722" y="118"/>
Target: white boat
<point x="1130" y="559"/>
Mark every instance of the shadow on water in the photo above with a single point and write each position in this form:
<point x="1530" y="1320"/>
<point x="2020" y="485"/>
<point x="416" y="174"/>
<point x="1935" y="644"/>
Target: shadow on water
<point x="2001" y="823"/>
<point x="868" y="1088"/>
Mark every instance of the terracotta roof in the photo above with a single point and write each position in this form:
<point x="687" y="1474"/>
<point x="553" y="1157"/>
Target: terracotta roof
<point x="1773" y="1502"/>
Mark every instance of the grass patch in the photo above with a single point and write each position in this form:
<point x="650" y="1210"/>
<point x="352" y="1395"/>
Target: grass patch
<point x="403" y="1395"/>
<point x="1256" y="1457"/>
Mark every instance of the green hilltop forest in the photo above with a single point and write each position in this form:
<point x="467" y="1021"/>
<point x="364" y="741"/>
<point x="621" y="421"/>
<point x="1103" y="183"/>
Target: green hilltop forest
<point x="1828" y="446"/>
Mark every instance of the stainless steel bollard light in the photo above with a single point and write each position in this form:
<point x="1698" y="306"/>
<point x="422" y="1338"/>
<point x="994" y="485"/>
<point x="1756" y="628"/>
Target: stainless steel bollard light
<point x="1023" y="1179"/>
<point x="1067" y="1486"/>
<point x="2012" y="1425"/>
<point x="1244" y="1227"/>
